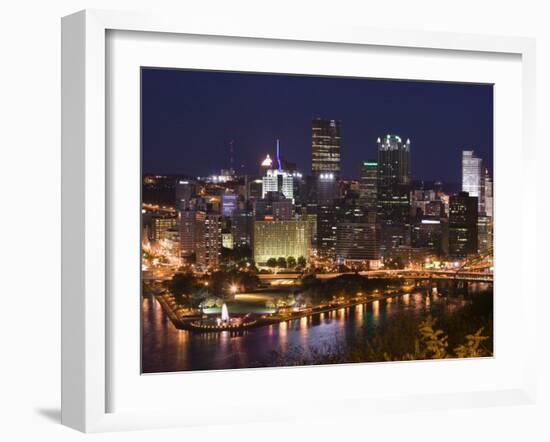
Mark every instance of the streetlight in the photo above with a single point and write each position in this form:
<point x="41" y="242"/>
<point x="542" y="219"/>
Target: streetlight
<point x="233" y="289"/>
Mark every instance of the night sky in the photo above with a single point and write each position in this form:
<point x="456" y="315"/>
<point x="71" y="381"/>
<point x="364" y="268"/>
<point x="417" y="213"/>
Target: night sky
<point x="189" y="117"/>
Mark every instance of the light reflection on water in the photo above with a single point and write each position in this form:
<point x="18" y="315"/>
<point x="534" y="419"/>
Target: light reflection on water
<point x="166" y="348"/>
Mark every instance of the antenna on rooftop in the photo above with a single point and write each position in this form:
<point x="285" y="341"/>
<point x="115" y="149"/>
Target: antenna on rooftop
<point x="231" y="154"/>
<point x="278" y="157"/>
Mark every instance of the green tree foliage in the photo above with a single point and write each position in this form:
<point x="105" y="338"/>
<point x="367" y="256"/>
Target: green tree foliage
<point x="291" y="262"/>
<point x="433" y="343"/>
<point x="302" y="262"/>
<point x="181" y="286"/>
<point x="281" y="262"/>
<point x="272" y="262"/>
<point x="464" y="333"/>
<point x="473" y="347"/>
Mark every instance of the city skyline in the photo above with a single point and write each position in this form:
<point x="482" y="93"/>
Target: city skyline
<point x="189" y="119"/>
<point x="318" y="250"/>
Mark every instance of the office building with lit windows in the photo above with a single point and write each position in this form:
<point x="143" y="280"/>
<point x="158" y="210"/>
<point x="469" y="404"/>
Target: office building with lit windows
<point x="242" y="227"/>
<point x="160" y="225"/>
<point x="185" y="191"/>
<point x="368" y="185"/>
<point x="229" y="203"/>
<point x="358" y="240"/>
<point x="208" y="241"/>
<point x="472" y="177"/>
<point x="393" y="193"/>
<point x="188" y="221"/>
<point x="325" y="147"/>
<point x="284" y="238"/>
<point x="276" y="180"/>
<point x="488" y="194"/>
<point x="463" y="225"/>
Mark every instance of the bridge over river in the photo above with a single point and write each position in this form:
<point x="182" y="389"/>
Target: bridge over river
<point x="292" y="278"/>
<point x="463" y="275"/>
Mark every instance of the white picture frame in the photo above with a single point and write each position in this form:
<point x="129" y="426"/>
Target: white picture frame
<point x="85" y="196"/>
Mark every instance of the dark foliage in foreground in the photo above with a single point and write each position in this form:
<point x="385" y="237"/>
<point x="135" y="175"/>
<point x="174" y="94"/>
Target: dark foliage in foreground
<point x="467" y="332"/>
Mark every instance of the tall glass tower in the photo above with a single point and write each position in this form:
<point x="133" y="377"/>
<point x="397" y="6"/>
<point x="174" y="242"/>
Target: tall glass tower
<point x="325" y="147"/>
<point x="394" y="202"/>
<point x="369" y="185"/>
<point x="472" y="177"/>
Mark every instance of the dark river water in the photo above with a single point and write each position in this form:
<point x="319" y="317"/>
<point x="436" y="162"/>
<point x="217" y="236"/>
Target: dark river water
<point x="165" y="348"/>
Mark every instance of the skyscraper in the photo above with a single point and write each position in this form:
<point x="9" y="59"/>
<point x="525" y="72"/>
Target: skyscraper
<point x="472" y="178"/>
<point x="325" y="147"/>
<point x="357" y="240"/>
<point x="488" y="194"/>
<point x="484" y="234"/>
<point x="208" y="241"/>
<point x="185" y="190"/>
<point x="284" y="238"/>
<point x="394" y="161"/>
<point x="189" y="221"/>
<point x="277" y="180"/>
<point x="242" y="226"/>
<point x="327" y="220"/>
<point x="463" y="220"/>
<point x="369" y="185"/>
<point x="266" y="164"/>
<point x="394" y="179"/>
<point x="229" y="203"/>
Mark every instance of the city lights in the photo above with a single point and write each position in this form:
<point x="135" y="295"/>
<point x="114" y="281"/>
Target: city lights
<point x="260" y="254"/>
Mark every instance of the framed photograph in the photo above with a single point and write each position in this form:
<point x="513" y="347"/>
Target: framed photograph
<point x="252" y="212"/>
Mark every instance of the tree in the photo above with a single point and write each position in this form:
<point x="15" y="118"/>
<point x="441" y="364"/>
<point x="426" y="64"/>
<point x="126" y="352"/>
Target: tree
<point x="291" y="262"/>
<point x="435" y="341"/>
<point x="272" y="262"/>
<point x="473" y="347"/>
<point x="302" y="261"/>
<point x="395" y="263"/>
<point x="181" y="286"/>
<point x="281" y="262"/>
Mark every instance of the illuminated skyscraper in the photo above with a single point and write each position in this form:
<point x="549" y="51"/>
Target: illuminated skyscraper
<point x="357" y="240"/>
<point x="394" y="179"/>
<point x="327" y="220"/>
<point x="229" y="203"/>
<point x="463" y="225"/>
<point x="394" y="162"/>
<point x="325" y="147"/>
<point x="185" y="190"/>
<point x="488" y="194"/>
<point x="369" y="185"/>
<point x="472" y="178"/>
<point x="189" y="221"/>
<point x="484" y="234"/>
<point x="208" y="241"/>
<point x="266" y="164"/>
<point x="278" y="181"/>
<point x="274" y="239"/>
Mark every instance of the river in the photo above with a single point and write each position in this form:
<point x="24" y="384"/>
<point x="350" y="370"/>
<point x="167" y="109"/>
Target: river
<point x="167" y="349"/>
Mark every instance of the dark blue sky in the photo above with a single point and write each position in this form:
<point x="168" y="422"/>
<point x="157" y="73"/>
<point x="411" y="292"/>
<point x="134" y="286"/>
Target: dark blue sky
<point x="189" y="117"/>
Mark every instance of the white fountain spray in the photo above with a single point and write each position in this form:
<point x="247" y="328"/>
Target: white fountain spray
<point x="225" y="313"/>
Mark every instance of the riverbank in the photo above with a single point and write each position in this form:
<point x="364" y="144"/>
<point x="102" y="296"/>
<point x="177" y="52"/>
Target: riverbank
<point x="189" y="322"/>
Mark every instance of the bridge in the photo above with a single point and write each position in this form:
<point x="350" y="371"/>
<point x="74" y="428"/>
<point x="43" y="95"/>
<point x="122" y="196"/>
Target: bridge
<point x="424" y="274"/>
<point x="477" y="269"/>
